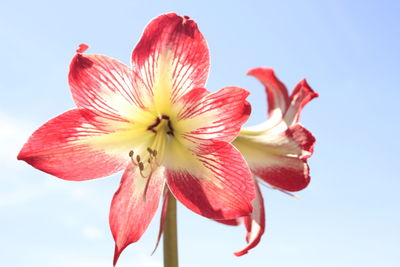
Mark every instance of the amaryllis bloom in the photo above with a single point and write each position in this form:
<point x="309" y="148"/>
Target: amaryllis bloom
<point x="156" y="122"/>
<point x="276" y="150"/>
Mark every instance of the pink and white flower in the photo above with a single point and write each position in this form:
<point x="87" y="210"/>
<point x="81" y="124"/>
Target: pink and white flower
<point x="276" y="150"/>
<point x="157" y="123"/>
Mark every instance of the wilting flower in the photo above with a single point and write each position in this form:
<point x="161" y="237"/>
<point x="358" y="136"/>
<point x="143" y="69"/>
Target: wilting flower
<point x="155" y="121"/>
<point x="276" y="150"/>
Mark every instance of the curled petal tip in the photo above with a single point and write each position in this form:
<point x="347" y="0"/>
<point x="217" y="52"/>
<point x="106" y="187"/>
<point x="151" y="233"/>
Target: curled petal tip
<point x="186" y="19"/>
<point x="255" y="71"/>
<point x="240" y="253"/>
<point x="304" y="83"/>
<point x="82" y="48"/>
<point x="20" y="156"/>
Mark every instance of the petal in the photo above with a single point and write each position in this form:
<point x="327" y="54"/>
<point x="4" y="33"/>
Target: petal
<point x="216" y="184"/>
<point x="290" y="174"/>
<point x="62" y="147"/>
<point x="277" y="94"/>
<point x="219" y="115"/>
<point x="162" y="218"/>
<point x="106" y="87"/>
<point x="232" y="222"/>
<point x="279" y="158"/>
<point x="304" y="139"/>
<point x="301" y="95"/>
<point x="172" y="54"/>
<point x="133" y="206"/>
<point x="255" y="224"/>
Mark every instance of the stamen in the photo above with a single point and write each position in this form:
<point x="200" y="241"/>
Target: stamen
<point x="141" y="169"/>
<point x="153" y="157"/>
<point x="131" y="156"/>
<point x="146" y="171"/>
<point x="146" y="187"/>
<point x="141" y="166"/>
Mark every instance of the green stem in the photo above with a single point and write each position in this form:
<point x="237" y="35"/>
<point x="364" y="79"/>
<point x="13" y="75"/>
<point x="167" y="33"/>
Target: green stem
<point x="170" y="238"/>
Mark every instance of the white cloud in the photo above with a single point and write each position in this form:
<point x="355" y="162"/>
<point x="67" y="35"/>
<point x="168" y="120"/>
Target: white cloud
<point x="79" y="193"/>
<point x="91" y="232"/>
<point x="148" y="262"/>
<point x="20" y="193"/>
<point x="13" y="135"/>
<point x="81" y="261"/>
<point x="20" y="196"/>
<point x="70" y="221"/>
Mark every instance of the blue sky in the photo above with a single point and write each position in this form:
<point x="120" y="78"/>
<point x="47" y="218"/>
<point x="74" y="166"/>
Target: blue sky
<point x="347" y="50"/>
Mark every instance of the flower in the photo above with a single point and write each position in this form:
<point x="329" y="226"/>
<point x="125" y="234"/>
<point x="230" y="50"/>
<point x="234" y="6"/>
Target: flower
<point x="156" y="122"/>
<point x="276" y="150"/>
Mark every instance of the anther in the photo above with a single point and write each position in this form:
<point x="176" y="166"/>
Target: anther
<point x="138" y="158"/>
<point x="131" y="153"/>
<point x="141" y="166"/>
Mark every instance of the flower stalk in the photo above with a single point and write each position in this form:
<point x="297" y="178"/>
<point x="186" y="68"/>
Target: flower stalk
<point x="170" y="238"/>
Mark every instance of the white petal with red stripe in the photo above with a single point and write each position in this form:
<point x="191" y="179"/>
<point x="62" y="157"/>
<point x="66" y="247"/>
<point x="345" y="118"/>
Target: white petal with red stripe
<point x="216" y="116"/>
<point x="171" y="57"/>
<point x="255" y="223"/>
<point x="63" y="147"/>
<point x="134" y="205"/>
<point x="216" y="184"/>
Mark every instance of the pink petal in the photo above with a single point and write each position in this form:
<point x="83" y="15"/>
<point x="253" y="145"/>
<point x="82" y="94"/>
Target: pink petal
<point x="287" y="173"/>
<point x="106" y="87"/>
<point x="218" y="186"/>
<point x="82" y="48"/>
<point x="162" y="218"/>
<point x="189" y="103"/>
<point x="279" y="158"/>
<point x="277" y="94"/>
<point x="232" y="222"/>
<point x="133" y="206"/>
<point x="304" y="139"/>
<point x="221" y="113"/>
<point x="174" y="43"/>
<point x="61" y="147"/>
<point x="255" y="224"/>
<point x="301" y="95"/>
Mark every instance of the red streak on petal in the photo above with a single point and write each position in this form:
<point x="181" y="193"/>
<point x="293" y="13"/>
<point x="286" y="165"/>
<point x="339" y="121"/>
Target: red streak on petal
<point x="82" y="48"/>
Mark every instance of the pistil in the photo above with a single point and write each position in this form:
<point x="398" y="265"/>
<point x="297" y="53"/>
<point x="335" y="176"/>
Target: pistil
<point x="155" y="126"/>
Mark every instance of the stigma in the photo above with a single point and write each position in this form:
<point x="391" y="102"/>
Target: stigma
<point x="162" y="122"/>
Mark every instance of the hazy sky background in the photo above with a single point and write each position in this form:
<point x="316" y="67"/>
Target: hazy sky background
<point x="347" y="50"/>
